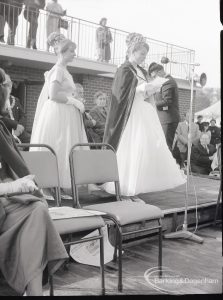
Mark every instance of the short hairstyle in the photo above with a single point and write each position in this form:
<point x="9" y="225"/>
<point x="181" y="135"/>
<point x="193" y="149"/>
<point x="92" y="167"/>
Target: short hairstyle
<point x="154" y="67"/>
<point x="199" y="116"/>
<point x="98" y="94"/>
<point x="213" y="120"/>
<point x="102" y="19"/>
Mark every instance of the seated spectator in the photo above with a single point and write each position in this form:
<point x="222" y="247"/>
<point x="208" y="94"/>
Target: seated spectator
<point x="181" y="137"/>
<point x="205" y="128"/>
<point x="9" y="12"/>
<point x="215" y="133"/>
<point x="54" y="10"/>
<point x="29" y="241"/>
<point x="15" y="118"/>
<point x="202" y="155"/>
<point x="99" y="113"/>
<point x="31" y="14"/>
<point x="199" y="122"/>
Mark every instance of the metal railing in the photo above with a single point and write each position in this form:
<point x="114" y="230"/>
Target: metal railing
<point x="83" y="33"/>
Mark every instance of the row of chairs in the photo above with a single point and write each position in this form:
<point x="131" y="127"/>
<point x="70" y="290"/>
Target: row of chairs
<point x="86" y="167"/>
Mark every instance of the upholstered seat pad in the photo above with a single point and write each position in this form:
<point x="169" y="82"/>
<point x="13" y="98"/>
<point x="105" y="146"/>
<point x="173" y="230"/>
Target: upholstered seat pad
<point x="72" y="225"/>
<point x="126" y="212"/>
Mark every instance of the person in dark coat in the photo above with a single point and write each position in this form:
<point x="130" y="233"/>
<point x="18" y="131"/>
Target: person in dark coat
<point x="202" y="155"/>
<point x="9" y="12"/>
<point x="215" y="133"/>
<point x="31" y="14"/>
<point x="166" y="103"/>
<point x="14" y="118"/>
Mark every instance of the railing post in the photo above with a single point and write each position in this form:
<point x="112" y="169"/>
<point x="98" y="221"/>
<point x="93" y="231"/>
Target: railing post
<point x="78" y="37"/>
<point x="113" y="60"/>
<point x="171" y="56"/>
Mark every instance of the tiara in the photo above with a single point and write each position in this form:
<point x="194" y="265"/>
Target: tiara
<point x="55" y="38"/>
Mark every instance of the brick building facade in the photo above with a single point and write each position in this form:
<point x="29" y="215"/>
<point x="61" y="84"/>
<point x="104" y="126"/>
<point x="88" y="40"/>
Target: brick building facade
<point x="31" y="80"/>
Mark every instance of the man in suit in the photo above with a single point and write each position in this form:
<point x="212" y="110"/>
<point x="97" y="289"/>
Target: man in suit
<point x="181" y="137"/>
<point x="202" y="155"/>
<point x="166" y="103"/>
<point x="9" y="12"/>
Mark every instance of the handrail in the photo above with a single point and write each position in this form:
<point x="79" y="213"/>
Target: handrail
<point x="82" y="32"/>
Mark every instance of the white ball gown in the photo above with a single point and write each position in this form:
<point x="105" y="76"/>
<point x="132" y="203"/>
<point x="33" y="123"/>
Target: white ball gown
<point x="145" y="162"/>
<point x="58" y="125"/>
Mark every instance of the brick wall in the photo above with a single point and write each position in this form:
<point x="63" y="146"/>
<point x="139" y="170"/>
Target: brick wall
<point x="184" y="101"/>
<point x="34" y="79"/>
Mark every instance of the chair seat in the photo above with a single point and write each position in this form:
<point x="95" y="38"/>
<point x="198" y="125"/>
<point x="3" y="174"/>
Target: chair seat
<point x="126" y="212"/>
<point x="72" y="225"/>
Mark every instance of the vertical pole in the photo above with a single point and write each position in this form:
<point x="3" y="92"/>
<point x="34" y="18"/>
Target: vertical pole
<point x="189" y="147"/>
<point x="113" y="60"/>
<point x="78" y="38"/>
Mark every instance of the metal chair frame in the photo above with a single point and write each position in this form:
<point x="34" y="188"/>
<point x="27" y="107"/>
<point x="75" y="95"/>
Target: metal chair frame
<point x="58" y="203"/>
<point x="119" y="233"/>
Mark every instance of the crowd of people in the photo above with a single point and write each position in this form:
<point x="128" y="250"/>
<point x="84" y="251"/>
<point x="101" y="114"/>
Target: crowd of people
<point x="141" y="122"/>
<point x="10" y="11"/>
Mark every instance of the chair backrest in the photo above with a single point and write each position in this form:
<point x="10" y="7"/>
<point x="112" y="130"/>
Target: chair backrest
<point x="43" y="163"/>
<point x="93" y="166"/>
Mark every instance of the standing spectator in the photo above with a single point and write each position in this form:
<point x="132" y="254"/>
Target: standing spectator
<point x="9" y="12"/>
<point x="182" y="137"/>
<point x="103" y="40"/>
<point x="202" y="155"/>
<point x="53" y="17"/>
<point x="166" y="103"/>
<point x="31" y="14"/>
<point x="199" y="122"/>
<point x="215" y="133"/>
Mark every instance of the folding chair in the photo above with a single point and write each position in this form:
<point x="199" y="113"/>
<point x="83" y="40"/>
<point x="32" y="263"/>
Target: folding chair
<point x="44" y="165"/>
<point x="100" y="165"/>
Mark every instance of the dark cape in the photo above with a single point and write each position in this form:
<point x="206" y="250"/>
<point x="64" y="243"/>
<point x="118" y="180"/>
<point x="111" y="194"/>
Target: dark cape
<point x="123" y="93"/>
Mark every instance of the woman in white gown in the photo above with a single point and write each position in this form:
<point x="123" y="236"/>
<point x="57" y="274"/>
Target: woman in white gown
<point x="58" y="120"/>
<point x="144" y="161"/>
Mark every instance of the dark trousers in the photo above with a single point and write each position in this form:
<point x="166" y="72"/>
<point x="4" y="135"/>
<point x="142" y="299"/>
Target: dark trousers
<point x="32" y="18"/>
<point x="169" y="132"/>
<point x="9" y="14"/>
<point x="183" y="157"/>
<point x="200" y="170"/>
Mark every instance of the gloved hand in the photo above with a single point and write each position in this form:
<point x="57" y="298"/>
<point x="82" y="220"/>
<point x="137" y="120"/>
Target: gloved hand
<point x="77" y="103"/>
<point x="24" y="185"/>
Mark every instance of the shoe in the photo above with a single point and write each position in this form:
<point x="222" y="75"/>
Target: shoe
<point x="137" y="199"/>
<point x="93" y="188"/>
<point x="2" y="40"/>
<point x="64" y="195"/>
<point x="48" y="197"/>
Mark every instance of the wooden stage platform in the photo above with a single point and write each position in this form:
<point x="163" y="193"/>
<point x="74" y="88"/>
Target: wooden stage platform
<point x="202" y="194"/>
<point x="185" y="258"/>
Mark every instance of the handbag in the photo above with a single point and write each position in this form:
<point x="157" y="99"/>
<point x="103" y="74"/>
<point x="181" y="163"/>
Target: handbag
<point x="63" y="23"/>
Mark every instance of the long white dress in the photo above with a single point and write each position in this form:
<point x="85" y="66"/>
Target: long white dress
<point x="59" y="125"/>
<point x="145" y="162"/>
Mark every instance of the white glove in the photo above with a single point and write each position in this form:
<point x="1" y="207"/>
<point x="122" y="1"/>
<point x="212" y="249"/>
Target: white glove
<point x="77" y="103"/>
<point x="24" y="185"/>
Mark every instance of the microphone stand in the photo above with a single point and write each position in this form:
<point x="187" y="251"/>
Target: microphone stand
<point x="184" y="233"/>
